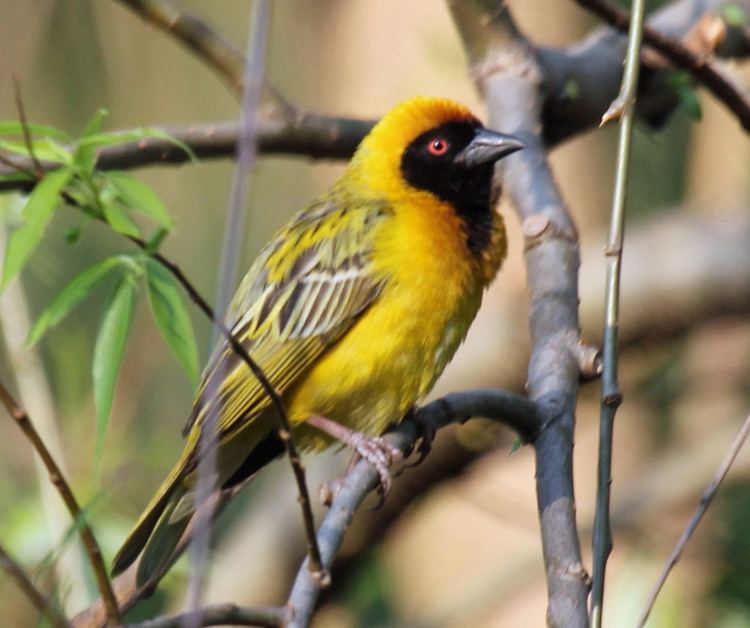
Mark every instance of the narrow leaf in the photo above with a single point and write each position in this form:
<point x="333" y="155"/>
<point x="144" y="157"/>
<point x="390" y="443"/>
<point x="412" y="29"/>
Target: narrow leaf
<point x="94" y="125"/>
<point x="140" y="197"/>
<point x="118" y="219"/>
<point x="45" y="149"/>
<point x="14" y="127"/>
<point x="108" y="355"/>
<point x="165" y="299"/>
<point x="36" y="213"/>
<point x="81" y="286"/>
<point x="134" y="135"/>
<point x="85" y="156"/>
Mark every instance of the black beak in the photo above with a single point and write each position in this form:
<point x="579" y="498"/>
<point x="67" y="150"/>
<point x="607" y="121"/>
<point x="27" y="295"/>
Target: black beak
<point x="487" y="147"/>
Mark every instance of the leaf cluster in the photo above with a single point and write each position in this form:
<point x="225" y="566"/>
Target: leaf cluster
<point x="70" y="178"/>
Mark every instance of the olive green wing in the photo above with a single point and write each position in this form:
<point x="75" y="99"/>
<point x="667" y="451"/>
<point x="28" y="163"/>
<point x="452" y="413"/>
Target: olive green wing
<point x="307" y="287"/>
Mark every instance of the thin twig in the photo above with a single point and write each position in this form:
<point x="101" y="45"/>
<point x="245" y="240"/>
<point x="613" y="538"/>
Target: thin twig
<point x="517" y="412"/>
<point x="611" y="397"/>
<point x="734" y="448"/>
<point x="221" y="615"/>
<point x="37" y="599"/>
<point x="25" y="127"/>
<point x="58" y="480"/>
<point x="702" y="69"/>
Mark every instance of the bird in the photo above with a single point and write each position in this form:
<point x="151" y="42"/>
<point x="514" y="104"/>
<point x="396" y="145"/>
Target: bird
<point x="352" y="310"/>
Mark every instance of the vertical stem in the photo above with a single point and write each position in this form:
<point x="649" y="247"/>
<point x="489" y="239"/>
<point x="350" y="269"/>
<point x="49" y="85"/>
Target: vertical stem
<point x="611" y="397"/>
<point x="246" y="154"/>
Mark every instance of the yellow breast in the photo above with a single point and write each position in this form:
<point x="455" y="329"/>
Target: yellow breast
<point x="393" y="354"/>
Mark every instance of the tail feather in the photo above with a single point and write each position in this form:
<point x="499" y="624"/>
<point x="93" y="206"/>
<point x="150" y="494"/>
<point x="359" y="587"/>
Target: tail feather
<point x="139" y="536"/>
<point x="160" y="547"/>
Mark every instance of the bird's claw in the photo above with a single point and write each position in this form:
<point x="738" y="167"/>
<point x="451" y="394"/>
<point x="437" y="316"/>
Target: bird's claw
<point x="427" y="432"/>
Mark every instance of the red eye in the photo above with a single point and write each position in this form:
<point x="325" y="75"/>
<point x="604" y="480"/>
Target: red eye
<point x="438" y="147"/>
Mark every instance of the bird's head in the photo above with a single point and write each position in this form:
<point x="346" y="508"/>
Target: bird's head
<point x="432" y="145"/>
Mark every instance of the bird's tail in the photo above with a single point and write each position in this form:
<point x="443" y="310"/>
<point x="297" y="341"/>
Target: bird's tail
<point x="155" y="517"/>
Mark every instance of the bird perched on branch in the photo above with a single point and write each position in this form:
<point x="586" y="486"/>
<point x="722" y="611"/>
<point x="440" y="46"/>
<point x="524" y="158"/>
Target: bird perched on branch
<point x="352" y="310"/>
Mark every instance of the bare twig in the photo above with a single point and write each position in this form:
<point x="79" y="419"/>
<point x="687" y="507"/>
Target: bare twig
<point x="517" y="412"/>
<point x="508" y="75"/>
<point x="611" y="397"/>
<point x="37" y="599"/>
<point x="705" y="501"/>
<point x="702" y="69"/>
<point x="25" y="127"/>
<point x="221" y="615"/>
<point x="58" y="480"/>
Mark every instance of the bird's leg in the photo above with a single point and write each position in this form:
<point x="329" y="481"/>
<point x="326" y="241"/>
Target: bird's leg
<point x="375" y="449"/>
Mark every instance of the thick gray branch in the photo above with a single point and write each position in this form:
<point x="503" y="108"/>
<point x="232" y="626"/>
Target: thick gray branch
<point x="511" y="81"/>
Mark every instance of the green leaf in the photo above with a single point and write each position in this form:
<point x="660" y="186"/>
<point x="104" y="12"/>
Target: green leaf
<point x="80" y="287"/>
<point x="94" y="126"/>
<point x="164" y="297"/>
<point x="135" y="135"/>
<point x="36" y="213"/>
<point x="115" y="214"/>
<point x="84" y="155"/>
<point x="44" y="150"/>
<point x="154" y="242"/>
<point x="140" y="197"/>
<point x="108" y="354"/>
<point x="14" y="127"/>
<point x="119" y="220"/>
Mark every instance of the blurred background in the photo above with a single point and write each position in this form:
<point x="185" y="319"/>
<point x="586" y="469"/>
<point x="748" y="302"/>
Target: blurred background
<point x="457" y="542"/>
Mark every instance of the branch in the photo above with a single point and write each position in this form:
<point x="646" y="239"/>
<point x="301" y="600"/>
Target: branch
<point x="581" y="80"/>
<point x="220" y="615"/>
<point x="508" y="75"/>
<point x="734" y="448"/>
<point x="517" y="412"/>
<point x="303" y="134"/>
<point x="37" y="599"/>
<point x="681" y="56"/>
<point x="610" y="391"/>
<point x="58" y="480"/>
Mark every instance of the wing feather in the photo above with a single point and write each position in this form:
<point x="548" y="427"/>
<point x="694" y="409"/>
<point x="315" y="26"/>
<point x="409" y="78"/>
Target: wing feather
<point x="304" y="291"/>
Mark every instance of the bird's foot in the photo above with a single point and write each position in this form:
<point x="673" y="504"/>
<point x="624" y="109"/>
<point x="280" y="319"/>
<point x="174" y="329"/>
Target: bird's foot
<point x="427" y="432"/>
<point x="375" y="449"/>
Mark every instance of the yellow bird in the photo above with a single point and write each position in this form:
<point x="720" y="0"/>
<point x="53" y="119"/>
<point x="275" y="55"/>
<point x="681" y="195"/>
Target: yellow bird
<point x="352" y="310"/>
